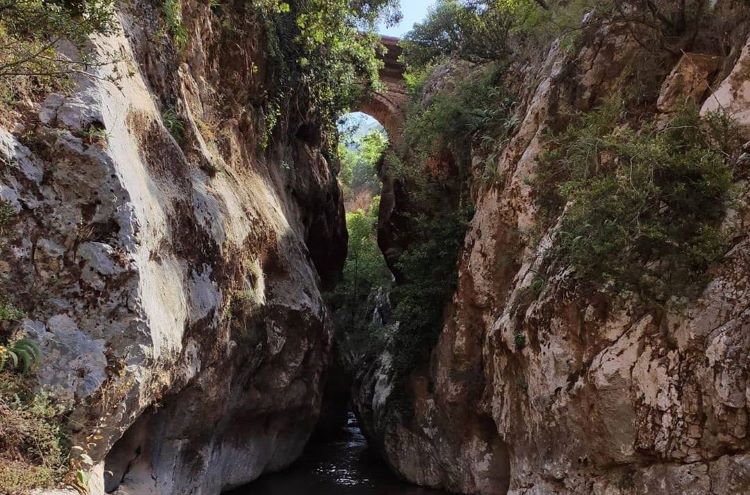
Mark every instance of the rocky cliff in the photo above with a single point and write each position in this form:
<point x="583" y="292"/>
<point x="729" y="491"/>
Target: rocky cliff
<point x="536" y="388"/>
<point x="168" y="261"/>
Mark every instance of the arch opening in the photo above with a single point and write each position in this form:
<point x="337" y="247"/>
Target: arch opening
<point x="363" y="140"/>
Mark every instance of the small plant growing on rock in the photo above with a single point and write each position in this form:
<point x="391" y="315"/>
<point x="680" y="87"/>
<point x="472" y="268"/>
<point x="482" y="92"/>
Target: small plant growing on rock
<point x="34" y="449"/>
<point x="9" y="312"/>
<point x="7" y="213"/>
<point x="21" y="355"/>
<point x="519" y="340"/>
<point x="175" y="27"/>
<point x="96" y="135"/>
<point x="537" y="286"/>
<point x="174" y="123"/>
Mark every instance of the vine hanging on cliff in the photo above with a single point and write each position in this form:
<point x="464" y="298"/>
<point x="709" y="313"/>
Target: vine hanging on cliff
<point x="323" y="52"/>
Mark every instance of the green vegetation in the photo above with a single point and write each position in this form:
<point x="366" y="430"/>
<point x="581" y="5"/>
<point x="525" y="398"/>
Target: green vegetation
<point x="481" y="31"/>
<point x="359" y="159"/>
<point x="474" y="31"/>
<point x="644" y="217"/>
<point x="33" y="447"/>
<point x="33" y="451"/>
<point x="22" y="355"/>
<point x="30" y="30"/>
<point x="7" y="214"/>
<point x="428" y="269"/>
<point x="173" y="16"/>
<point x="474" y="104"/>
<point x="495" y="30"/>
<point x="365" y="270"/>
<point x="174" y="123"/>
<point x="324" y="52"/>
<point x="645" y="201"/>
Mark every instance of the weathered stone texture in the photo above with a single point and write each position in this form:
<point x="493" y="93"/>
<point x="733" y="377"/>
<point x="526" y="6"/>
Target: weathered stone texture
<point x="173" y="281"/>
<point x="605" y="397"/>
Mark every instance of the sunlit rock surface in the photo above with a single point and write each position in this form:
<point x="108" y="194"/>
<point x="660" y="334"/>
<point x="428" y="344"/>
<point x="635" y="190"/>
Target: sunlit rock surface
<point x="603" y="398"/>
<point x="173" y="278"/>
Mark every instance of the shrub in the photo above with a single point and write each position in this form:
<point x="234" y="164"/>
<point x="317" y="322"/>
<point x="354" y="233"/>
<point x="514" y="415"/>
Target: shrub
<point x="359" y="159"/>
<point x="645" y="204"/>
<point x="364" y="272"/>
<point x="9" y="312"/>
<point x="33" y="446"/>
<point x="174" y="123"/>
<point x="495" y="30"/>
<point x="470" y="106"/>
<point x="428" y="269"/>
<point x="173" y="16"/>
<point x="7" y="214"/>
<point x="31" y="29"/>
<point x="467" y="30"/>
<point x="323" y="51"/>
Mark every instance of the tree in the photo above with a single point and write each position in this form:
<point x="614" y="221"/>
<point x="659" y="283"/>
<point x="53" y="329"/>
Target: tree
<point x="359" y="158"/>
<point x="474" y="31"/>
<point x="31" y="29"/>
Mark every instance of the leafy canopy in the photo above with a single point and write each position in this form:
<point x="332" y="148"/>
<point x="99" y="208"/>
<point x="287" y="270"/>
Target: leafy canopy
<point x="30" y="30"/>
<point x="359" y="158"/>
<point x="326" y="51"/>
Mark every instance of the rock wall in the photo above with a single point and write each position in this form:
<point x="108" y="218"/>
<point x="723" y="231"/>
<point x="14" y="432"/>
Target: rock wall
<point x="173" y="278"/>
<point x="604" y="398"/>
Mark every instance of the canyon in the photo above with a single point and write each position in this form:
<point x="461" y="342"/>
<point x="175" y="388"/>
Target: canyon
<point x="172" y="253"/>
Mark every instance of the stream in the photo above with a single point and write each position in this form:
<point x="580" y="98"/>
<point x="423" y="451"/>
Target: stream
<point x="340" y="466"/>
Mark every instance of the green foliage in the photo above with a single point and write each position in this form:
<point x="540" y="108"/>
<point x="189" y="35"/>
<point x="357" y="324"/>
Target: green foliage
<point x="537" y="286"/>
<point x="428" y="269"/>
<point x="364" y="272"/>
<point x="34" y="446"/>
<point x="174" y="123"/>
<point x="499" y="30"/>
<point x="173" y="17"/>
<point x="365" y="267"/>
<point x="324" y="51"/>
<point x="519" y="340"/>
<point x="645" y="204"/>
<point x="30" y="29"/>
<point x="495" y="30"/>
<point x="471" y="31"/>
<point x="535" y="26"/>
<point x="9" y="312"/>
<point x="359" y="158"/>
<point x="96" y="135"/>
<point x="21" y="355"/>
<point x="7" y="214"/>
<point x="473" y="105"/>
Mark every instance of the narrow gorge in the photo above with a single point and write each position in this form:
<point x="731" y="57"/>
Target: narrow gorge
<point x="529" y="277"/>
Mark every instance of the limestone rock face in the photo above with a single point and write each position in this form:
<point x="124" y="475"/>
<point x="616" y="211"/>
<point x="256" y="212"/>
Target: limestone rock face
<point x="173" y="279"/>
<point x="603" y="398"/>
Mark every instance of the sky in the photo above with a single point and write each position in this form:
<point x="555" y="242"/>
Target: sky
<point x="413" y="11"/>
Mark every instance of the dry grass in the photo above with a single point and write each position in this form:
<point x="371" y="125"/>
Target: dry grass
<point x="32" y="446"/>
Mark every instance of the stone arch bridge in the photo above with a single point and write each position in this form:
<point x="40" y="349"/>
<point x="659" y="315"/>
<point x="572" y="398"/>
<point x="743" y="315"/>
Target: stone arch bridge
<point x="388" y="105"/>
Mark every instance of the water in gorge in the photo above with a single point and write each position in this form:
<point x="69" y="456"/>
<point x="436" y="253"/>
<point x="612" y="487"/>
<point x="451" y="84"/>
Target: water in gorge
<point x="340" y="466"/>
